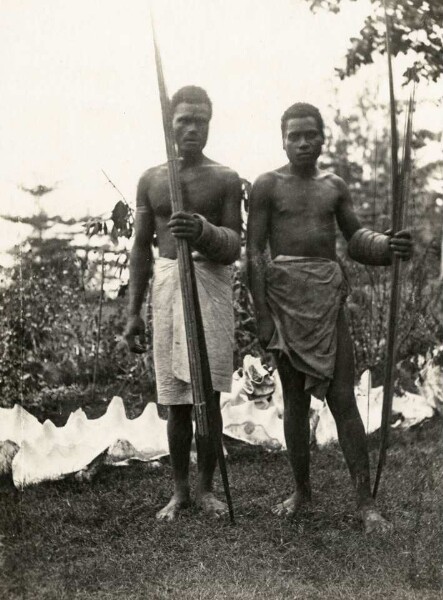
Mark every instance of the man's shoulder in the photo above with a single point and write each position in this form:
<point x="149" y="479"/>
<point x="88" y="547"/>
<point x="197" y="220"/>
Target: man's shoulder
<point x="154" y="172"/>
<point x="220" y="170"/>
<point x="331" y="178"/>
<point x="268" y="179"/>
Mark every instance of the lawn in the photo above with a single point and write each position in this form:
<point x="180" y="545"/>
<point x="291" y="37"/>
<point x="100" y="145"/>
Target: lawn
<point x="100" y="540"/>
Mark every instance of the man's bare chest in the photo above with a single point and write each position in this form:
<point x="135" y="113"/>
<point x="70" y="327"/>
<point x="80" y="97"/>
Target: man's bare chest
<point x="305" y="199"/>
<point x="201" y="194"/>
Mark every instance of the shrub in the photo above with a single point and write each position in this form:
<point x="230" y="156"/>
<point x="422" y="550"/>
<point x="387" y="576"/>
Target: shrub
<point x="419" y="327"/>
<point x="49" y="327"/>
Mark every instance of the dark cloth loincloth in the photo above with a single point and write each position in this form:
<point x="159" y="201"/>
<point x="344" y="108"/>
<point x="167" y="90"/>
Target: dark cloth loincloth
<point x="304" y="296"/>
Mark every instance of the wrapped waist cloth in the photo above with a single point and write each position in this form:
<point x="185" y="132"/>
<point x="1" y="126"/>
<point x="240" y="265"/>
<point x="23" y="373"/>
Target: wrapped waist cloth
<point x="170" y="348"/>
<point x="304" y="296"/>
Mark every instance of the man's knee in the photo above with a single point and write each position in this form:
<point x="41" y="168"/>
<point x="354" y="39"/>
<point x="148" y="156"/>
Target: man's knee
<point x="343" y="404"/>
<point x="180" y="413"/>
<point x="295" y="398"/>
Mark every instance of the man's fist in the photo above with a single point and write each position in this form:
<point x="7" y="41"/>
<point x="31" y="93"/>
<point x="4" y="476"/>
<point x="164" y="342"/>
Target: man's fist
<point x="184" y="225"/>
<point x="135" y="328"/>
<point x="265" y="329"/>
<point x="401" y="244"/>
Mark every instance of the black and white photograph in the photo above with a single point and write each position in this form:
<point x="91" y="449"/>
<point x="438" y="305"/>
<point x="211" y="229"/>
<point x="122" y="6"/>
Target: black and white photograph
<point x="221" y="300"/>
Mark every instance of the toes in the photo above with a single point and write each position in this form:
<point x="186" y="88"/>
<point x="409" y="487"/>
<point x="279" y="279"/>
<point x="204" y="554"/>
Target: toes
<point x="168" y="512"/>
<point x="385" y="527"/>
<point x="375" y="523"/>
<point x="213" y="507"/>
<point x="280" y="510"/>
<point x="161" y="516"/>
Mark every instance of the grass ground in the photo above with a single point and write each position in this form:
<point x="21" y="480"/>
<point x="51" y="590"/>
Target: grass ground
<point x="67" y="540"/>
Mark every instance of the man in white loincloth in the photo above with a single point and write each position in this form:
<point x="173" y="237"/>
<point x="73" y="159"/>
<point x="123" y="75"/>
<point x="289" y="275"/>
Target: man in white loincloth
<point x="211" y="223"/>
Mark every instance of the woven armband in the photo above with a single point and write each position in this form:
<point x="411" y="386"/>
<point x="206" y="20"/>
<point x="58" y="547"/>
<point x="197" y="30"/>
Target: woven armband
<point x="370" y="248"/>
<point x="219" y="244"/>
<point x="142" y="209"/>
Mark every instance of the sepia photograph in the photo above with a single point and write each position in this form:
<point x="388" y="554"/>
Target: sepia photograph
<point x="221" y="300"/>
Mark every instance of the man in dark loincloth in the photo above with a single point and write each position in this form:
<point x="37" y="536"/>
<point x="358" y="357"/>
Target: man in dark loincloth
<point x="211" y="223"/>
<point x="299" y="298"/>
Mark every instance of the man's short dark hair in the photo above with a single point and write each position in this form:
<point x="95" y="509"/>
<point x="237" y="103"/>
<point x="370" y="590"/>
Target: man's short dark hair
<point x="191" y="94"/>
<point x="300" y="110"/>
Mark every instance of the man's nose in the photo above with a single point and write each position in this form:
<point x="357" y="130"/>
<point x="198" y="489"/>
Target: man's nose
<point x="302" y="142"/>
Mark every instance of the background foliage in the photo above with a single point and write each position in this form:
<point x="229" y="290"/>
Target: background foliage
<point x="52" y="307"/>
<point x="416" y="27"/>
<point x="50" y="323"/>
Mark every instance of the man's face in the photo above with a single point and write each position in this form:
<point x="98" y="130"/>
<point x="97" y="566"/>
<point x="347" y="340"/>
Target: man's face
<point x="302" y="141"/>
<point x="190" y="123"/>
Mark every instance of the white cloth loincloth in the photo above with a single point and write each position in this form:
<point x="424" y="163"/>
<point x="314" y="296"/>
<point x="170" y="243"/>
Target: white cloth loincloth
<point x="170" y="347"/>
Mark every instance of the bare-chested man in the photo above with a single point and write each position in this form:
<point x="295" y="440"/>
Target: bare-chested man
<point x="299" y="298"/>
<point x="211" y="223"/>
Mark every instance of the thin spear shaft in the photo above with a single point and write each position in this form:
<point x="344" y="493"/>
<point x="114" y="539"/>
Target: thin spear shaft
<point x="185" y="263"/>
<point x="400" y="191"/>
<point x="394" y="130"/>
<point x="207" y="412"/>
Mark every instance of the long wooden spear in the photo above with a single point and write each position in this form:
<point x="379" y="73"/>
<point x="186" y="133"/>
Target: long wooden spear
<point x="207" y="414"/>
<point x="400" y="183"/>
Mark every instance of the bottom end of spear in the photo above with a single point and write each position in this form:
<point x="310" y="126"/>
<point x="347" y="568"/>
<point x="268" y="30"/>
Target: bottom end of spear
<point x="374" y="492"/>
<point x="376" y="484"/>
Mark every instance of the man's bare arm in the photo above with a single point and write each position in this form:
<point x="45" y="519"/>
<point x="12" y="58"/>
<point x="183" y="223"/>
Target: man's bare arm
<point x="346" y="218"/>
<point x="140" y="265"/>
<point x="140" y="268"/>
<point x="365" y="246"/>
<point x="257" y="237"/>
<point x="231" y="213"/>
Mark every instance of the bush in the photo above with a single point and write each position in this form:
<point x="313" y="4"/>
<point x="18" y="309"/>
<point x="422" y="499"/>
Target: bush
<point x="419" y="327"/>
<point x="49" y="327"/>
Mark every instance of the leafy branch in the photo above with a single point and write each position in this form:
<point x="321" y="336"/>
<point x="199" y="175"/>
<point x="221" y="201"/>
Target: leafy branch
<point x="416" y="26"/>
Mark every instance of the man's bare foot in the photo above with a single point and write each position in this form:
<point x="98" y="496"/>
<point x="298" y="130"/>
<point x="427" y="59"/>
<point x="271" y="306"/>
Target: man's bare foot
<point x="175" y="504"/>
<point x="373" y="522"/>
<point x="210" y="505"/>
<point x="291" y="505"/>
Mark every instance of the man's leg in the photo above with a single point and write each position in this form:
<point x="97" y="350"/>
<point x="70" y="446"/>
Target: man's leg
<point x="296" y="427"/>
<point x="351" y="432"/>
<point x="179" y="439"/>
<point x="207" y="460"/>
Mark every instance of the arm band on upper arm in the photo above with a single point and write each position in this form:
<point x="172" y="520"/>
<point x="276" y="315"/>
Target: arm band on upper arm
<point x="220" y="244"/>
<point x="370" y="248"/>
<point x="140" y="209"/>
